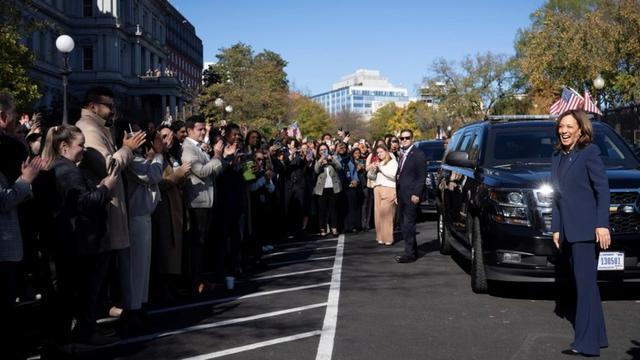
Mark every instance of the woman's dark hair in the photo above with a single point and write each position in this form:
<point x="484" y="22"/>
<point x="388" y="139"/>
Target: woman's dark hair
<point x="249" y="134"/>
<point x="584" y="124"/>
<point x="319" y="150"/>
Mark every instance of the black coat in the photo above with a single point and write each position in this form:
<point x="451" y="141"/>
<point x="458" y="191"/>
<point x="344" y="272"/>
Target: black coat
<point x="80" y="219"/>
<point x="412" y="175"/>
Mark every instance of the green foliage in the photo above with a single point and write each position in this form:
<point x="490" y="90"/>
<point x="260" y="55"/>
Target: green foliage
<point x="311" y="117"/>
<point x="378" y="124"/>
<point x="470" y="89"/>
<point x="16" y="59"/>
<point x="570" y="42"/>
<point x="255" y="86"/>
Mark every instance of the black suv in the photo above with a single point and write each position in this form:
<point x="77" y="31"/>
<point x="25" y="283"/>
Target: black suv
<point x="433" y="151"/>
<point x="494" y="200"/>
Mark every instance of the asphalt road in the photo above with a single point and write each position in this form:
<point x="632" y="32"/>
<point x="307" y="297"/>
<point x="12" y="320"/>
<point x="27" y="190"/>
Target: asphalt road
<point x="313" y="298"/>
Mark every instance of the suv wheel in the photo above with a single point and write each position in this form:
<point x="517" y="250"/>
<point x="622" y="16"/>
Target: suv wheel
<point x="443" y="236"/>
<point x="478" y="276"/>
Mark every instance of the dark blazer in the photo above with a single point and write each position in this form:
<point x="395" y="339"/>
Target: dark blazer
<point x="80" y="220"/>
<point x="581" y="196"/>
<point x="411" y="176"/>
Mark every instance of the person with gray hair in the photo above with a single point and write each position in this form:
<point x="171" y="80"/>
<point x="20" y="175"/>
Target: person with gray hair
<point x="16" y="175"/>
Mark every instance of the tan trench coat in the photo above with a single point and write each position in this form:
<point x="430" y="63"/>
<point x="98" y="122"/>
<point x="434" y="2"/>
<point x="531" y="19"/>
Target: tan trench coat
<point x="99" y="152"/>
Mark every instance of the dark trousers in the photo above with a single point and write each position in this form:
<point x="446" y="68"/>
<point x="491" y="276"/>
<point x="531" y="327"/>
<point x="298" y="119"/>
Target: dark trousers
<point x="327" y="209"/>
<point x="353" y="217"/>
<point x="367" y="207"/>
<point x="408" y="215"/>
<point x="199" y="234"/>
<point x="8" y="292"/>
<point x="79" y="281"/>
<point x="590" y="330"/>
<point x="294" y="208"/>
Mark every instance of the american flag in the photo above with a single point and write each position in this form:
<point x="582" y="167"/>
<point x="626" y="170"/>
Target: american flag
<point x="589" y="106"/>
<point x="569" y="100"/>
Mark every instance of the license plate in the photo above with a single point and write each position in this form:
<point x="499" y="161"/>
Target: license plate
<point x="610" y="260"/>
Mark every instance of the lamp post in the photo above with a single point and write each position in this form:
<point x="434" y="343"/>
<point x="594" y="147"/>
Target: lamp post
<point x="598" y="83"/>
<point x="65" y="44"/>
<point x="219" y="103"/>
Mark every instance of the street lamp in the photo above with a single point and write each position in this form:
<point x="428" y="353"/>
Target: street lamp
<point x="598" y="83"/>
<point x="65" y="44"/>
<point x="219" y="103"/>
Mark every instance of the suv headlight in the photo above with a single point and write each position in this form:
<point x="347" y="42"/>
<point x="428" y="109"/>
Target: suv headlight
<point x="510" y="207"/>
<point x="544" y="195"/>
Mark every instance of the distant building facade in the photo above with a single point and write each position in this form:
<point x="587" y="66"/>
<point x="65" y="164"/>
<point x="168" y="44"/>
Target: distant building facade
<point x="363" y="92"/>
<point x="145" y="50"/>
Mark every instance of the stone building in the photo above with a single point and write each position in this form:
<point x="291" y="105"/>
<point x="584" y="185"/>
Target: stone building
<point x="145" y="50"/>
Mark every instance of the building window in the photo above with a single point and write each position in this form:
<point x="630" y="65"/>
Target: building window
<point x="87" y="8"/>
<point x="87" y="58"/>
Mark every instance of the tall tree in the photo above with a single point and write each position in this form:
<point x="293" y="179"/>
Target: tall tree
<point x="353" y="122"/>
<point x="569" y="42"/>
<point x="470" y="89"/>
<point x="378" y="124"/>
<point x="16" y="58"/>
<point x="311" y="117"/>
<point x="255" y="86"/>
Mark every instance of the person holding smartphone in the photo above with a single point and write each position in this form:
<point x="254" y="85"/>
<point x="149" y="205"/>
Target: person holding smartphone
<point x="327" y="186"/>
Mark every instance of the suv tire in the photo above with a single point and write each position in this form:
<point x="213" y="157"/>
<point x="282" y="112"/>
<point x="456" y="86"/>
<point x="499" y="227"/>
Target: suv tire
<point x="443" y="235"/>
<point x="479" y="283"/>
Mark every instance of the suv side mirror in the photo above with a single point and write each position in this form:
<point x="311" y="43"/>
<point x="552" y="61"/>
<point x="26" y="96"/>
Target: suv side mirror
<point x="460" y="159"/>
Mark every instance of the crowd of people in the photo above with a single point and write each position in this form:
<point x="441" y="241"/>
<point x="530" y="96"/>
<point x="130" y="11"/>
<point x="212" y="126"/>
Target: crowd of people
<point x="125" y="214"/>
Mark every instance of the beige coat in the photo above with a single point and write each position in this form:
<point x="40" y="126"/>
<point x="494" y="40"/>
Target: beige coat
<point x="99" y="152"/>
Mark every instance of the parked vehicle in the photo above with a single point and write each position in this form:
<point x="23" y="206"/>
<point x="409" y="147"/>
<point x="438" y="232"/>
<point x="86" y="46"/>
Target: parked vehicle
<point x="494" y="201"/>
<point x="433" y="151"/>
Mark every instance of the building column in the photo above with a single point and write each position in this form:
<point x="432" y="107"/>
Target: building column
<point x="147" y="61"/>
<point x="163" y="104"/>
<point x="154" y="61"/>
<point x="172" y="106"/>
<point x="137" y="66"/>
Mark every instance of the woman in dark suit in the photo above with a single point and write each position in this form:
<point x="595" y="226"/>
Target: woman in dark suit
<point x="580" y="219"/>
<point x="79" y="227"/>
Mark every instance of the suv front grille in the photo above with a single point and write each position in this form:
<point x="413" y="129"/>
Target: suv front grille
<point x="624" y="198"/>
<point x="622" y="223"/>
<point x="619" y="223"/>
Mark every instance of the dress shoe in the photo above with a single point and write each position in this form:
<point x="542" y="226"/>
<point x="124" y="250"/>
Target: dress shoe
<point x="405" y="259"/>
<point x="575" y="352"/>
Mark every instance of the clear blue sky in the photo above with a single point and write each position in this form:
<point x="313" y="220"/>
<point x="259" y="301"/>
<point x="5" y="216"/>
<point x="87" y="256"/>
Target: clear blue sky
<point x="325" y="40"/>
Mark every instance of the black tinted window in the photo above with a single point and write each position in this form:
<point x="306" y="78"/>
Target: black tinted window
<point x="433" y="152"/>
<point x="536" y="145"/>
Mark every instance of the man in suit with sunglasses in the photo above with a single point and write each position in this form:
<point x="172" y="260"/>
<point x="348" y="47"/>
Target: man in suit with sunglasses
<point x="411" y="177"/>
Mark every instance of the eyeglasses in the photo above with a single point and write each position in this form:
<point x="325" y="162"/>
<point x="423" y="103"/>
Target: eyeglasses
<point x="403" y="138"/>
<point x="394" y="141"/>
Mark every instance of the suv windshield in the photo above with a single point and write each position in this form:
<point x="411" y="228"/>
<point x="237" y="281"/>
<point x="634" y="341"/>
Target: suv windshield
<point x="534" y="145"/>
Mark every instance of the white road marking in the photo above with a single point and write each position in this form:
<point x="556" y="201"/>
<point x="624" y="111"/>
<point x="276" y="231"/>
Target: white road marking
<point x="234" y="298"/>
<point x="219" y="324"/>
<point x="254" y="346"/>
<point x="297" y="250"/>
<point x="267" y="277"/>
<point x="280" y="246"/>
<point x="300" y="261"/>
<point x="325" y="347"/>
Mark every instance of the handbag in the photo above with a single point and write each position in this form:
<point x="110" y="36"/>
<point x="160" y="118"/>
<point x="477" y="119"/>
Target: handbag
<point x="372" y="174"/>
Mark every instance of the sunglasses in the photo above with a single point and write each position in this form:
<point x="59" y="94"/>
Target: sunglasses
<point x="405" y="138"/>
